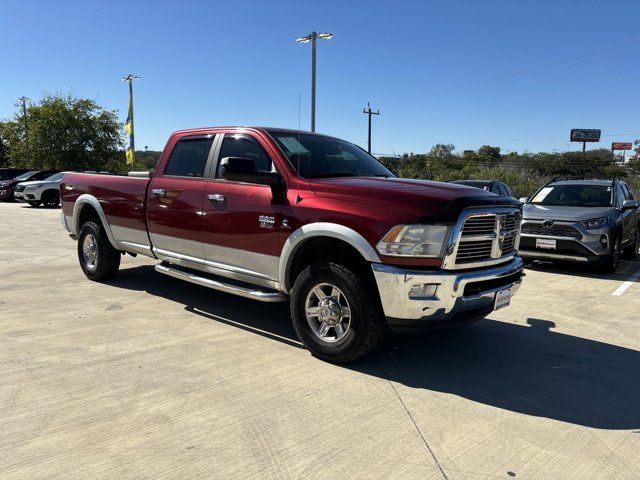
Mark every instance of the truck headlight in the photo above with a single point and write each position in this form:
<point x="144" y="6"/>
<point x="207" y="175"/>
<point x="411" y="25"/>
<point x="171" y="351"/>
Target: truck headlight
<point x="414" y="241"/>
<point x="595" y="222"/>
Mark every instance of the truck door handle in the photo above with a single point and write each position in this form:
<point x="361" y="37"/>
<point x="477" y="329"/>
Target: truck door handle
<point x="159" y="192"/>
<point x="216" y="197"/>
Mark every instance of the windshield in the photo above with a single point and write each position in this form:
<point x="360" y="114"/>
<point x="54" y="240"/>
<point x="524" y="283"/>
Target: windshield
<point x="25" y="176"/>
<point x="574" y="196"/>
<point x="55" y="177"/>
<point x="315" y="156"/>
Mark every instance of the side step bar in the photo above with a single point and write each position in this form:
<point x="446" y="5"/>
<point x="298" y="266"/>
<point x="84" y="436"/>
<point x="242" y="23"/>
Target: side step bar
<point x="261" y="295"/>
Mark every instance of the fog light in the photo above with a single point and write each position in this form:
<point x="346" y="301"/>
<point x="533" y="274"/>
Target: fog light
<point x="425" y="290"/>
<point x="603" y="240"/>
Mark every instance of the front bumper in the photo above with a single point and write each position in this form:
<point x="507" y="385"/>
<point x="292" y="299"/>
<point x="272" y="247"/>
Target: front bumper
<point x="589" y="248"/>
<point x="6" y="193"/>
<point x="459" y="297"/>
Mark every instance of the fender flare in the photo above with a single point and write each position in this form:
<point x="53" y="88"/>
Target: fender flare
<point x="321" y="229"/>
<point x="86" y="199"/>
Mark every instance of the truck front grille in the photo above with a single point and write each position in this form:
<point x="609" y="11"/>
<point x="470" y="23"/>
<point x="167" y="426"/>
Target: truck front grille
<point x="487" y="237"/>
<point x="554" y="230"/>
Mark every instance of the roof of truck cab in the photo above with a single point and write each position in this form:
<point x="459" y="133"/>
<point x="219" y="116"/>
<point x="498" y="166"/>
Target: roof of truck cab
<point x="248" y="127"/>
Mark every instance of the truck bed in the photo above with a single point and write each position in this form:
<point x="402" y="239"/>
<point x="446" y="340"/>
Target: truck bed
<point x="122" y="198"/>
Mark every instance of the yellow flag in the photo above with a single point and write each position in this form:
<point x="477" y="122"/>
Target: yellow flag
<point x="128" y="126"/>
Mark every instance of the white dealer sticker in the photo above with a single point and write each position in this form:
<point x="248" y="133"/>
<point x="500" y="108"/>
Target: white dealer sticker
<point x="545" y="243"/>
<point x="542" y="194"/>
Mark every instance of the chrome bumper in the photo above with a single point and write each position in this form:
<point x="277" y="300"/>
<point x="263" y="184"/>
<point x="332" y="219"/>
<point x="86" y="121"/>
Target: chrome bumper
<point x="409" y="300"/>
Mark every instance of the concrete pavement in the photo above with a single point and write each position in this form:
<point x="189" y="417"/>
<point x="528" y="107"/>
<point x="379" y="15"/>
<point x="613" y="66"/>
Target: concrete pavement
<point x="149" y="377"/>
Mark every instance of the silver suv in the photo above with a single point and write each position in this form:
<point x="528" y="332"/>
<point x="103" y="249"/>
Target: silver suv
<point x="581" y="221"/>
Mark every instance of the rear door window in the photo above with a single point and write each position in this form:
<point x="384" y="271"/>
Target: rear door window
<point x="189" y="157"/>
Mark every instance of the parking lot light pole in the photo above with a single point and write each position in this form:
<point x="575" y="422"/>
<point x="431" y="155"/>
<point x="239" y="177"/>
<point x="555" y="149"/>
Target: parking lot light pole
<point x="23" y="100"/>
<point x="312" y="38"/>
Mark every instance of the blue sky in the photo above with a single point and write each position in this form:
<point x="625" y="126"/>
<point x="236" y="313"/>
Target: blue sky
<point x="517" y="74"/>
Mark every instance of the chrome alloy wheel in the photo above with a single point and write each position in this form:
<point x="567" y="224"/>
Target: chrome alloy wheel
<point x="90" y="252"/>
<point x="328" y="312"/>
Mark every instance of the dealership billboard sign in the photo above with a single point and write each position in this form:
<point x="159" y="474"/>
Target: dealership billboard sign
<point x="621" y="146"/>
<point x="585" y="135"/>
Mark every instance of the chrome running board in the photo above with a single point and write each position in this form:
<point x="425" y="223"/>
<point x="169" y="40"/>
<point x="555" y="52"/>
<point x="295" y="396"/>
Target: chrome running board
<point x="261" y="295"/>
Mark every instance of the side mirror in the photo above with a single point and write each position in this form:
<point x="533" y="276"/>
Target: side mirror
<point x="244" y="170"/>
<point x="523" y="200"/>
<point x="629" y="205"/>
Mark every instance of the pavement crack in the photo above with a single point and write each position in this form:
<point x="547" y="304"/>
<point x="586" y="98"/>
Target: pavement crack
<point x="404" y="406"/>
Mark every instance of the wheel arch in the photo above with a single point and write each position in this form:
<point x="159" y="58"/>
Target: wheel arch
<point x="308" y="235"/>
<point x="88" y="207"/>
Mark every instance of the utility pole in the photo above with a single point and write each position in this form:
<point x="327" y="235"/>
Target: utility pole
<point x="369" y="112"/>
<point x="26" y="130"/>
<point x="312" y="38"/>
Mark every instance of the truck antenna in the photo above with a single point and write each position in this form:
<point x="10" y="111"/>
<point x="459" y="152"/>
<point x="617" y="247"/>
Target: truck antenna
<point x="298" y="154"/>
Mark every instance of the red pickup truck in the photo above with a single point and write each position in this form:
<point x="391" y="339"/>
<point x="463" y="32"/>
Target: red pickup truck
<point x="279" y="215"/>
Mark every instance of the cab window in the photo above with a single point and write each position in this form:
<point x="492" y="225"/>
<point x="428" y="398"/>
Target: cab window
<point x="243" y="146"/>
<point x="189" y="157"/>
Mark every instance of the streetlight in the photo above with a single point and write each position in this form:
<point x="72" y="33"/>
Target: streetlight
<point x="311" y="37"/>
<point x="24" y="100"/>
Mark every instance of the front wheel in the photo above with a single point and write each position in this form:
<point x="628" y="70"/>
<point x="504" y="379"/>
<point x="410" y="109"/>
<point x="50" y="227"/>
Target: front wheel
<point x="34" y="204"/>
<point x="610" y="262"/>
<point x="631" y="252"/>
<point x="98" y="259"/>
<point x="51" y="199"/>
<point x="336" y="314"/>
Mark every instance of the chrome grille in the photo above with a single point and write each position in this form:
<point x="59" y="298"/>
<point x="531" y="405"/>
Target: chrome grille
<point x="479" y="226"/>
<point x="19" y="188"/>
<point x="553" y="230"/>
<point x="487" y="237"/>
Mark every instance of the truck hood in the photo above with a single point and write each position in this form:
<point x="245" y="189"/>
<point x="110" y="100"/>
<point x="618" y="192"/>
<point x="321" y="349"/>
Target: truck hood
<point x="571" y="214"/>
<point x="424" y="199"/>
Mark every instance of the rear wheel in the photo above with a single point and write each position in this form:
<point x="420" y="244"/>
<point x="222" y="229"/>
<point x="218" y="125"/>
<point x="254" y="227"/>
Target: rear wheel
<point x="51" y="198"/>
<point x="631" y="252"/>
<point x="336" y="314"/>
<point x="98" y="259"/>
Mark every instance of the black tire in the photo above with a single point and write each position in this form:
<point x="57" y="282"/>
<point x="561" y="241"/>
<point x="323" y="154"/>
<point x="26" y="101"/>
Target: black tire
<point x="366" y="325"/>
<point x="610" y="262"/>
<point x="106" y="262"/>
<point x="51" y="198"/>
<point x="34" y="204"/>
<point x="631" y="252"/>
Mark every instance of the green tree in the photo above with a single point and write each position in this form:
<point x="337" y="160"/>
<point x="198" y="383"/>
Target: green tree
<point x="65" y="133"/>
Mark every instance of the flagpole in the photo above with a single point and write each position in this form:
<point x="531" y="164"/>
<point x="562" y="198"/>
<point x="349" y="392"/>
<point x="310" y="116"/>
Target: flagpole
<point x="130" y="78"/>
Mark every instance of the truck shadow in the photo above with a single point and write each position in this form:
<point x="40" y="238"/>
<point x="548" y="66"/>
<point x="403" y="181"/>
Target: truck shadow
<point x="530" y="368"/>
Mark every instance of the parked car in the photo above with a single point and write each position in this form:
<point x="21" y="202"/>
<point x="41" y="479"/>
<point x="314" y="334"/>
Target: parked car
<point x="40" y="192"/>
<point x="11" y="173"/>
<point x="7" y="187"/>
<point x="581" y="221"/>
<point x="493" y="186"/>
<point x="278" y="215"/>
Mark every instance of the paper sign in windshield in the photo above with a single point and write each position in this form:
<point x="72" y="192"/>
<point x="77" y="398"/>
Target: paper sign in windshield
<point x="542" y="194"/>
<point x="293" y="145"/>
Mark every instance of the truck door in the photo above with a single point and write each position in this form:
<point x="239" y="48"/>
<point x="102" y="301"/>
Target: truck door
<point x="240" y="220"/>
<point x="176" y="195"/>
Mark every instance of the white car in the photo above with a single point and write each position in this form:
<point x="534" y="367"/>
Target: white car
<point x="42" y="192"/>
